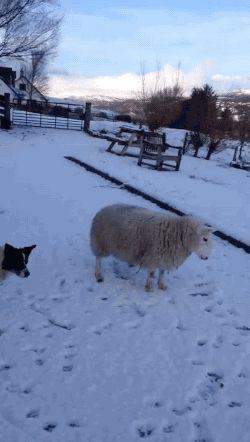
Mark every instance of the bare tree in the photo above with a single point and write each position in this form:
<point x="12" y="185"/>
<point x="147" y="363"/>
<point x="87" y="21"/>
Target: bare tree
<point x="35" y="70"/>
<point x="243" y="128"/>
<point x="27" y="26"/>
<point x="158" y="104"/>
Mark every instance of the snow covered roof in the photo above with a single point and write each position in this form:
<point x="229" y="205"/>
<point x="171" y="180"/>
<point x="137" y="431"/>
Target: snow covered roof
<point x="5" y="89"/>
<point x="26" y="80"/>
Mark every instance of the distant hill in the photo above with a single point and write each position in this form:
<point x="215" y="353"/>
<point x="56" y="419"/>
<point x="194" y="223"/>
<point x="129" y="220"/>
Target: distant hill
<point x="127" y="106"/>
<point x="236" y="100"/>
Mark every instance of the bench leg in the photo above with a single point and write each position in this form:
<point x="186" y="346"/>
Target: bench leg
<point x="178" y="161"/>
<point x="124" y="149"/>
<point x="159" y="163"/>
<point x="139" y="162"/>
<point x="127" y="144"/>
<point x="111" y="146"/>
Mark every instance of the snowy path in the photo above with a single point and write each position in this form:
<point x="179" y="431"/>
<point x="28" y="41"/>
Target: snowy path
<point x="106" y="363"/>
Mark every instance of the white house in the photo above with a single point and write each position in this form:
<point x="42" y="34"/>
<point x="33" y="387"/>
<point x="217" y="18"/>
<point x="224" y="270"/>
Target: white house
<point x="26" y="89"/>
<point x="5" y="89"/>
<point x="18" y="88"/>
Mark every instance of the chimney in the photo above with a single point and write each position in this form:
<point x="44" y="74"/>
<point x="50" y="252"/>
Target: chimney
<point x="8" y="75"/>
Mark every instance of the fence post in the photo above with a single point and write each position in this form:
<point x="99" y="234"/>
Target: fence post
<point x="6" y="122"/>
<point x="87" y="117"/>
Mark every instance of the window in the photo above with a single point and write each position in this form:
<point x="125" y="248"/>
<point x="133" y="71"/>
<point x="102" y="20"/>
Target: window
<point x="22" y="87"/>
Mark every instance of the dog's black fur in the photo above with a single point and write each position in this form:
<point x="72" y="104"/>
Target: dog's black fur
<point x="15" y="260"/>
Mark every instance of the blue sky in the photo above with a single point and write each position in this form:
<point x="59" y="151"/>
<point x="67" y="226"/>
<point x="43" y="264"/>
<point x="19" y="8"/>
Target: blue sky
<point x="104" y="38"/>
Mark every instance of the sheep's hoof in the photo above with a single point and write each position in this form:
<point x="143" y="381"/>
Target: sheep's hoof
<point x="99" y="279"/>
<point x="149" y="288"/>
<point x="162" y="286"/>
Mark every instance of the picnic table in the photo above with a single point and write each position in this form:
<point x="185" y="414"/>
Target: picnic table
<point x="135" y="139"/>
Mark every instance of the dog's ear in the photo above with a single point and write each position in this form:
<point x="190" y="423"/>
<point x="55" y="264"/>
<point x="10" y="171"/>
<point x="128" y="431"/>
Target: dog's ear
<point x="27" y="251"/>
<point x="8" y="248"/>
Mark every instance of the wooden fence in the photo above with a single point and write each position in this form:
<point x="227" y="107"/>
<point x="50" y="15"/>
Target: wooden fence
<point x="58" y="115"/>
<point x="5" y="112"/>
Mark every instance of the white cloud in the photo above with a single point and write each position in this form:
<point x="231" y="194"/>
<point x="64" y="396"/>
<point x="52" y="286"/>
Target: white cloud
<point x="230" y="81"/>
<point x="220" y="77"/>
<point x="125" y="85"/>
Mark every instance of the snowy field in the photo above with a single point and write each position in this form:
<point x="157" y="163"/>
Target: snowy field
<point x="88" y="362"/>
<point x="211" y="189"/>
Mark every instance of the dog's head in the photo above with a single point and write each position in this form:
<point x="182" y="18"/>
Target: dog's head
<point x="16" y="260"/>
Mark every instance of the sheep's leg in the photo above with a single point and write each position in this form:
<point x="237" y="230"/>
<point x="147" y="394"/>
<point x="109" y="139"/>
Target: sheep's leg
<point x="149" y="282"/>
<point x="98" y="269"/>
<point x="161" y="283"/>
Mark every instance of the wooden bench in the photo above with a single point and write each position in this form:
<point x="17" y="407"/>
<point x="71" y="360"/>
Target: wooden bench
<point x="239" y="161"/>
<point x="118" y="139"/>
<point x="157" y="153"/>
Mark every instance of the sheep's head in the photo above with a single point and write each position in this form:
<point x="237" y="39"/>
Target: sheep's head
<point x="203" y="243"/>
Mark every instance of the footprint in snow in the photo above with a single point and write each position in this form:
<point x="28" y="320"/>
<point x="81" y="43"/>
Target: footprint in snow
<point x="4" y="367"/>
<point x="201" y="342"/>
<point x="202" y="294"/>
<point x="74" y="424"/>
<point x="201" y="430"/>
<point x="121" y="274"/>
<point x="153" y="402"/>
<point x="182" y="410"/>
<point x="197" y="362"/>
<point x="62" y="283"/>
<point x="39" y="362"/>
<point x="236" y="344"/>
<point x="71" y="352"/>
<point x="209" y="389"/>
<point x="24" y="328"/>
<point x="67" y="368"/>
<point x="32" y="414"/>
<point x="168" y="428"/>
<point x="209" y="309"/>
<point x="57" y="300"/>
<point x="235" y="404"/>
<point x="242" y="375"/>
<point x="232" y="312"/>
<point x="139" y="311"/>
<point x="243" y="329"/>
<point x="218" y="342"/>
<point x="101" y="328"/>
<point x="38" y="351"/>
<point x="145" y="430"/>
<point x="49" y="427"/>
<point x="69" y="355"/>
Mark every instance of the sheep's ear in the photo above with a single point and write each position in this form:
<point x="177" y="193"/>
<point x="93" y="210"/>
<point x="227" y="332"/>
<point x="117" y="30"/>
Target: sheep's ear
<point x="207" y="230"/>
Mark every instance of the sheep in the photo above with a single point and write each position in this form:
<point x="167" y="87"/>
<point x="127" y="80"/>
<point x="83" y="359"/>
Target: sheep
<point x="152" y="240"/>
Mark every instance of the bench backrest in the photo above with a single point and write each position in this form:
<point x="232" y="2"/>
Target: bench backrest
<point x="153" y="142"/>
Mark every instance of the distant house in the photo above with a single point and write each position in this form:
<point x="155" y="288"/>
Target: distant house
<point x="25" y="87"/>
<point x="18" y="88"/>
<point x="7" y="82"/>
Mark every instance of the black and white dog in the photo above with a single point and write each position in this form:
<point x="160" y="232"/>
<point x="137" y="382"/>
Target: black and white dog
<point x="13" y="260"/>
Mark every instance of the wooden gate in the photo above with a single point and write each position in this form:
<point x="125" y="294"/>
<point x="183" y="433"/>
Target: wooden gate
<point x="50" y="114"/>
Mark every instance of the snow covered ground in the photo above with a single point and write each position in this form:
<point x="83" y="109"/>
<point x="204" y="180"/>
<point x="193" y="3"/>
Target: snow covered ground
<point x="210" y="189"/>
<point x="81" y="361"/>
